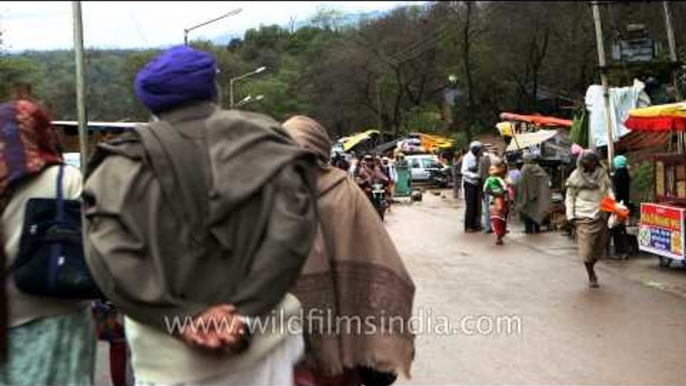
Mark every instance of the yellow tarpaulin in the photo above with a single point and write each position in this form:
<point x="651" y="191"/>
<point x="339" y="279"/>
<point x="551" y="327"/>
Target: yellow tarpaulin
<point x="670" y="110"/>
<point x="353" y="140"/>
<point x="433" y="142"/>
<point x="505" y="128"/>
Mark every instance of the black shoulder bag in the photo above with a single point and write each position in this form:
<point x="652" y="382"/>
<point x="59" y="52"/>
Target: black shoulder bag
<point x="51" y="259"/>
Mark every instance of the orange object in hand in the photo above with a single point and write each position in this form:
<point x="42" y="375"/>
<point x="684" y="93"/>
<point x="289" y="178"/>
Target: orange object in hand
<point x="609" y="205"/>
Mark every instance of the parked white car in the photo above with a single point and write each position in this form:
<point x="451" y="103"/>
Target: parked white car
<point x="421" y="164"/>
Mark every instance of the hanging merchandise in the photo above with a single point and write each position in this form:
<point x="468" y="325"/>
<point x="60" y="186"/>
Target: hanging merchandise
<point x="621" y="101"/>
<point x="579" y="132"/>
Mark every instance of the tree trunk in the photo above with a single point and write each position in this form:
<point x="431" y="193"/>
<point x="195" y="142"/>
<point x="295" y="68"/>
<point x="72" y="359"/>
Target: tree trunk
<point x="398" y="100"/>
<point x="466" y="47"/>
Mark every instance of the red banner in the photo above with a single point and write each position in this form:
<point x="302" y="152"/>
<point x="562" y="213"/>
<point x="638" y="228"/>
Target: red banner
<point x="661" y="216"/>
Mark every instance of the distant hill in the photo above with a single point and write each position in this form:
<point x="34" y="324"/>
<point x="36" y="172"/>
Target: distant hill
<point x="348" y="19"/>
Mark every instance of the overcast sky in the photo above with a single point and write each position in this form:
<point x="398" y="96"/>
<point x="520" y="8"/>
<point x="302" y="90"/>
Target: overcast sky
<point x="41" y="25"/>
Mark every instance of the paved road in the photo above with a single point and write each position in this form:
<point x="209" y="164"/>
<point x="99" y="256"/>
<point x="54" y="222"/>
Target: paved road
<point x="623" y="333"/>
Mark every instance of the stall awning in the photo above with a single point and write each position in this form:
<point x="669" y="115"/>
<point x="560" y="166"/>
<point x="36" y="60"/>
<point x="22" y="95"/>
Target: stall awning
<point x="656" y="124"/>
<point x="522" y="141"/>
<point x="538" y="120"/>
<point x="432" y="142"/>
<point x="670" y="117"/>
<point x="356" y="139"/>
<point x="388" y="146"/>
<point x="670" y="110"/>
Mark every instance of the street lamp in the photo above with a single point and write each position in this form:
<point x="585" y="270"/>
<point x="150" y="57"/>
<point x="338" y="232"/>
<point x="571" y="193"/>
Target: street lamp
<point x="249" y="99"/>
<point x="187" y="30"/>
<point x="233" y="80"/>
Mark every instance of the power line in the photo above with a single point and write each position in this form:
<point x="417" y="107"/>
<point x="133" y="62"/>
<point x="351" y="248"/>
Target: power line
<point x="138" y="28"/>
<point x="2" y="33"/>
<point x="425" y="45"/>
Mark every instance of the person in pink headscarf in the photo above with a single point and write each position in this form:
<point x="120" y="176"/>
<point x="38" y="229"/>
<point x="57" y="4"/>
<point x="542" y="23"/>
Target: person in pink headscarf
<point x="576" y="150"/>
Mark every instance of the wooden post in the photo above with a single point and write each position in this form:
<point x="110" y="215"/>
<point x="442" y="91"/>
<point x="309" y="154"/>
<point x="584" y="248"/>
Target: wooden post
<point x="603" y="79"/>
<point x="80" y="84"/>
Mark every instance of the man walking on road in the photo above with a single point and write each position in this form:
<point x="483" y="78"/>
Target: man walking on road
<point x="471" y="177"/>
<point x="586" y="188"/>
<point x="197" y="224"/>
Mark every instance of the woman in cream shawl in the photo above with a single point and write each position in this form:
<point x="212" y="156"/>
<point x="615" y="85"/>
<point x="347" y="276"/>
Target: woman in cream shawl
<point x="354" y="279"/>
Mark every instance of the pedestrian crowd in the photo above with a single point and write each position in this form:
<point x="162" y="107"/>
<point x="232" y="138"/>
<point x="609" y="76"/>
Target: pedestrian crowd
<point x="199" y="226"/>
<point x="493" y="190"/>
<point x="204" y="222"/>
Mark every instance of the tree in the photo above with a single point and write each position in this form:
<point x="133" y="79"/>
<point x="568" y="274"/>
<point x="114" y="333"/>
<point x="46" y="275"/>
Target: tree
<point x="349" y="74"/>
<point x="15" y="71"/>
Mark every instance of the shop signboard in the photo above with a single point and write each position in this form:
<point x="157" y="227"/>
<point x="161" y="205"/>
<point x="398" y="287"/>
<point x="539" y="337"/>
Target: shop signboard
<point x="661" y="230"/>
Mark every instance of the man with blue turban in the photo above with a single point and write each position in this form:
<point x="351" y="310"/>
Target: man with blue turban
<point x="197" y="225"/>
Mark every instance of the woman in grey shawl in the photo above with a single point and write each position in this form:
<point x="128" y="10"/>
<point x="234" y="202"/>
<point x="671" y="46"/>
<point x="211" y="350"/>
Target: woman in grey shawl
<point x="533" y="197"/>
<point x="586" y="187"/>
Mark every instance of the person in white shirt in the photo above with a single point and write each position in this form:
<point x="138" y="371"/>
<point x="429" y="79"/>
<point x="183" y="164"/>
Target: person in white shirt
<point x="471" y="179"/>
<point x="586" y="188"/>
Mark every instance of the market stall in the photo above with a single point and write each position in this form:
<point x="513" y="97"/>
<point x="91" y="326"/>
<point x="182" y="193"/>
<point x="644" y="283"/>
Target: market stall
<point x="435" y="143"/>
<point x="662" y="228"/>
<point x="360" y="142"/>
<point x="547" y="137"/>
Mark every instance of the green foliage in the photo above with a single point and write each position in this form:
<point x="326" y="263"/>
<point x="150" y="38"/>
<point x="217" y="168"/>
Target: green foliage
<point x="393" y="68"/>
<point x="643" y="182"/>
<point x="130" y="65"/>
<point x="461" y="140"/>
<point x="281" y="97"/>
<point x="14" y="71"/>
<point x="425" y="119"/>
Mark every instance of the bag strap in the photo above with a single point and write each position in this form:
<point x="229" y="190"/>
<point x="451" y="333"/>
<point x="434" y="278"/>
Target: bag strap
<point x="60" y="194"/>
<point x="174" y="158"/>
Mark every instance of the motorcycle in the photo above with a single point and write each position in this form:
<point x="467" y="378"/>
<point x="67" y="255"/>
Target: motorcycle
<point x="378" y="198"/>
<point x="440" y="177"/>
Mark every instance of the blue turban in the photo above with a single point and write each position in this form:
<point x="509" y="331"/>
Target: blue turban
<point x="177" y="77"/>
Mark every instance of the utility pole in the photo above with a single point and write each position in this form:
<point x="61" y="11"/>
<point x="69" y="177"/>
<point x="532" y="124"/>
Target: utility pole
<point x="80" y="83"/>
<point x="675" y="62"/>
<point x="604" y="81"/>
<point x="670" y="32"/>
